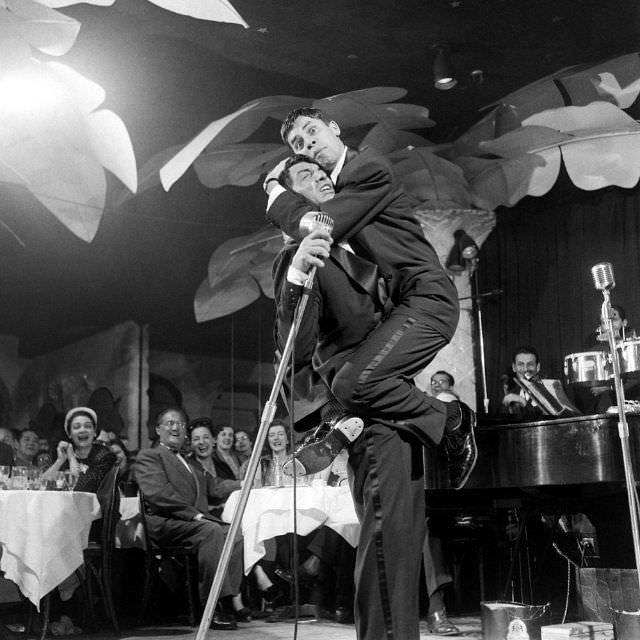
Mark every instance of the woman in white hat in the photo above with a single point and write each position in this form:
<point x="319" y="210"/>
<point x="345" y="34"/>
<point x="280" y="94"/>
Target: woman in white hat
<point x="87" y="459"/>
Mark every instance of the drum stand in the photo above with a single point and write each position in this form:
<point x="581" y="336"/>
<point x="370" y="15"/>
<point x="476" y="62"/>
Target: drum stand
<point x="268" y="414"/>
<point x="623" y="433"/>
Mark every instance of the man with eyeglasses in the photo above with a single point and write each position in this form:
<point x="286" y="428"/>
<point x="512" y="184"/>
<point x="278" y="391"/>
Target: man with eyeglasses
<point x="175" y="496"/>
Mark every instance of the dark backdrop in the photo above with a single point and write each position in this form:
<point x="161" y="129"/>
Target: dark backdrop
<point x="540" y="254"/>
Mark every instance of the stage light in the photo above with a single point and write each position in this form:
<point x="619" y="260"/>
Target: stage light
<point x="443" y="75"/>
<point x="463" y="252"/>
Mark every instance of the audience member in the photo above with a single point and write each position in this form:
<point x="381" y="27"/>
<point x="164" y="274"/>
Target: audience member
<point x="125" y="470"/>
<point x="229" y="464"/>
<point x="442" y="383"/>
<point x="201" y="441"/>
<point x="6" y="436"/>
<point x="26" y="448"/>
<point x="87" y="460"/>
<point x="243" y="443"/>
<point x="175" y="494"/>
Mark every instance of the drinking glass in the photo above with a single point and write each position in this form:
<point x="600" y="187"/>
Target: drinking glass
<point x="61" y="483"/>
<point x="4" y="477"/>
<point x="34" y="479"/>
<point x="19" y="478"/>
<point x="70" y="480"/>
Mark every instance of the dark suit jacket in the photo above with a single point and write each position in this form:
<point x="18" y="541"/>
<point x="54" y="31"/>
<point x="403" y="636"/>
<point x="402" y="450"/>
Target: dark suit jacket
<point x="342" y="310"/>
<point x="6" y="454"/>
<point x="377" y="218"/>
<point x="170" y="490"/>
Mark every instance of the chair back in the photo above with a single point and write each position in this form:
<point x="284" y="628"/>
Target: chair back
<point x="108" y="496"/>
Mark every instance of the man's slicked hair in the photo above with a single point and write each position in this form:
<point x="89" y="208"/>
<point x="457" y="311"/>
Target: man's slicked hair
<point x="309" y="112"/>
<point x="285" y="176"/>
<point x="526" y="349"/>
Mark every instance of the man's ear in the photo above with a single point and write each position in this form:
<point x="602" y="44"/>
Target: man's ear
<point x="158" y="430"/>
<point x="333" y="125"/>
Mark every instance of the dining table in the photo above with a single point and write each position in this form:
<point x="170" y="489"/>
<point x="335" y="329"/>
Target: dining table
<point x="270" y="512"/>
<point x="42" y="537"/>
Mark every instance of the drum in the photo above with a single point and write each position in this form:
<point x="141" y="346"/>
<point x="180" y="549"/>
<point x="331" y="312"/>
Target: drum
<point x="588" y="368"/>
<point x="630" y="356"/>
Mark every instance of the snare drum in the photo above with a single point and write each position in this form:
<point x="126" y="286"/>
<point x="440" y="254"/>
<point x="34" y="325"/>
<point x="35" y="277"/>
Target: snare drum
<point x="630" y="356"/>
<point x="589" y="367"/>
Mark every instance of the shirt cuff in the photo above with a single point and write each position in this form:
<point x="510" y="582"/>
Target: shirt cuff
<point x="296" y="276"/>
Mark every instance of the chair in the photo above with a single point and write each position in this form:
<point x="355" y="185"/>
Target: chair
<point x="98" y="556"/>
<point x="154" y="556"/>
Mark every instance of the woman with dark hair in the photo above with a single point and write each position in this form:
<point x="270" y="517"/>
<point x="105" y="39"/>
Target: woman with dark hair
<point x="87" y="459"/>
<point x="228" y="463"/>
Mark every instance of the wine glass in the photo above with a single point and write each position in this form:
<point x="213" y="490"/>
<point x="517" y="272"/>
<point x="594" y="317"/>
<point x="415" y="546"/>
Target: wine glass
<point x="19" y="478"/>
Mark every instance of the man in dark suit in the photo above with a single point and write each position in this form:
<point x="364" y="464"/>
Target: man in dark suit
<point x="175" y="496"/>
<point x="376" y="218"/>
<point x="386" y="475"/>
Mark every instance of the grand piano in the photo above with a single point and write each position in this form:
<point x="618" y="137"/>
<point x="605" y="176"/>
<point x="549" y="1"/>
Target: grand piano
<point x="524" y="469"/>
<point x="546" y="453"/>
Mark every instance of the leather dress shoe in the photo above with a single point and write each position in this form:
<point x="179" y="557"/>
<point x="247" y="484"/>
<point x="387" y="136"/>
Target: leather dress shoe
<point x="319" y="450"/>
<point x="304" y="577"/>
<point x="460" y="445"/>
<point x="243" y="615"/>
<point x="439" y="624"/>
<point x="222" y="621"/>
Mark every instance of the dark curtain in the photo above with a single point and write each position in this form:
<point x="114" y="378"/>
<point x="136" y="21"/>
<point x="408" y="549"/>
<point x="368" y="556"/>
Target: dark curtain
<point x="540" y="254"/>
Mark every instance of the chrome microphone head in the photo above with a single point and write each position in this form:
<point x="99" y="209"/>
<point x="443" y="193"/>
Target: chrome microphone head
<point x="603" y="276"/>
<point x="314" y="220"/>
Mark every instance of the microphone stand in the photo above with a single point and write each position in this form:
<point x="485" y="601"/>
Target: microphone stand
<point x="477" y="299"/>
<point x="265" y="421"/>
<point x="623" y="433"/>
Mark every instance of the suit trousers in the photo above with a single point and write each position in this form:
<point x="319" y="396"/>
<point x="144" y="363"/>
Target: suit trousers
<point x="377" y="380"/>
<point x="207" y="539"/>
<point x="387" y="483"/>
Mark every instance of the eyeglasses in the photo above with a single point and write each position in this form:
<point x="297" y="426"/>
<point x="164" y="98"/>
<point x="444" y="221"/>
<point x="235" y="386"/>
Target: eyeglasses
<point x="174" y="423"/>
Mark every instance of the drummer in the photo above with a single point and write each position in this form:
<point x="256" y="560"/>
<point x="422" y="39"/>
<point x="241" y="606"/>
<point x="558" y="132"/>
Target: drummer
<point x="525" y="363"/>
<point x="601" y="397"/>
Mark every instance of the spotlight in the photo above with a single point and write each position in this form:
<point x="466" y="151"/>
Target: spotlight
<point x="443" y="75"/>
<point x="464" y="251"/>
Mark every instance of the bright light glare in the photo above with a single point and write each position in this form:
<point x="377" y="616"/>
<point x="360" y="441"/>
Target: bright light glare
<point x="29" y="93"/>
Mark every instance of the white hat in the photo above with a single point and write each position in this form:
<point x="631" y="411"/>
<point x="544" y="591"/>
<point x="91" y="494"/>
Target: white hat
<point x="90" y="413"/>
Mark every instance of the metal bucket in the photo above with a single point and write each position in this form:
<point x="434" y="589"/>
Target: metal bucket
<point x="513" y="620"/>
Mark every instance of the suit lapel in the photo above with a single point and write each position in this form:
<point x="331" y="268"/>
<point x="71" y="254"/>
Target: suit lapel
<point x="360" y="271"/>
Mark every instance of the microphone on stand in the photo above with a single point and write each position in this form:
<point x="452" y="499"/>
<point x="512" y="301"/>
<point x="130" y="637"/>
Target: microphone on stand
<point x="603" y="279"/>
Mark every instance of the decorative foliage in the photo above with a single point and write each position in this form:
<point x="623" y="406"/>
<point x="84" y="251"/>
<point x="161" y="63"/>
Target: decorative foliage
<point x="350" y="110"/>
<point x="599" y="145"/>
<point x="239" y="270"/>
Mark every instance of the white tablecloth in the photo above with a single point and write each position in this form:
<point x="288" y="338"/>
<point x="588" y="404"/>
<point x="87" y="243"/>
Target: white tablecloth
<point x="269" y="513"/>
<point x="43" y="534"/>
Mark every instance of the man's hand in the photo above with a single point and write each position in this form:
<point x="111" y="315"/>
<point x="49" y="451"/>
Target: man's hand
<point x="313" y="251"/>
<point x="514" y="397"/>
<point x="273" y="176"/>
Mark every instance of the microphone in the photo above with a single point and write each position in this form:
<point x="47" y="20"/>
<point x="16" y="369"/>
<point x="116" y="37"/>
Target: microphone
<point x="603" y="276"/>
<point x="314" y="221"/>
